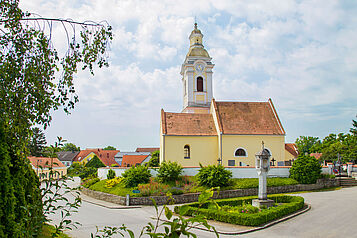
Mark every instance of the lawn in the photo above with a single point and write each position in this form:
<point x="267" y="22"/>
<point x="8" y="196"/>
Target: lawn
<point x="185" y="184"/>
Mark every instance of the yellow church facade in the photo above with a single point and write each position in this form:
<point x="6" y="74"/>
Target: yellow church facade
<point x="217" y="132"/>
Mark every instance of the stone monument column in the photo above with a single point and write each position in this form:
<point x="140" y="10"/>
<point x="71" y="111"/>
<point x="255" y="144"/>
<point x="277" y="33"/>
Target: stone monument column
<point x="262" y="165"/>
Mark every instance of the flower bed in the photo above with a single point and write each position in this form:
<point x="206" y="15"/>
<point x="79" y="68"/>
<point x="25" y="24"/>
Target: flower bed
<point x="238" y="211"/>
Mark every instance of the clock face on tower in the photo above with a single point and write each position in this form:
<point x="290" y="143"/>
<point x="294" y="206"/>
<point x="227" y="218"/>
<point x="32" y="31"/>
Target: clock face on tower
<point x="199" y="67"/>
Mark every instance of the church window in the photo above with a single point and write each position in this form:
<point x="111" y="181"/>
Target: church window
<point x="199" y="84"/>
<point x="186" y="150"/>
<point x="231" y="163"/>
<point x="240" y="152"/>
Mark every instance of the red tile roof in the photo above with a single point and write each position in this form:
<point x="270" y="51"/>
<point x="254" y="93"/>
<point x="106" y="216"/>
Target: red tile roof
<point x="146" y="149"/>
<point x="316" y="155"/>
<point x="45" y="162"/>
<point x="249" y="118"/>
<point x="292" y="149"/>
<point x="132" y="160"/>
<point x="188" y="124"/>
<point x="106" y="156"/>
<point x="239" y="118"/>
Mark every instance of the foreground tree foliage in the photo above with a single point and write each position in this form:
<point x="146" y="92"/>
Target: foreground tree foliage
<point x="34" y="80"/>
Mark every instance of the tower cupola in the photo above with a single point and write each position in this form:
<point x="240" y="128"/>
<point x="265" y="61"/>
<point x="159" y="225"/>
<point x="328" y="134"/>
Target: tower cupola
<point x="196" y="74"/>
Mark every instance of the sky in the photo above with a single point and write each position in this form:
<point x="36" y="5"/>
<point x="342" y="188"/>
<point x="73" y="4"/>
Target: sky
<point x="301" y="54"/>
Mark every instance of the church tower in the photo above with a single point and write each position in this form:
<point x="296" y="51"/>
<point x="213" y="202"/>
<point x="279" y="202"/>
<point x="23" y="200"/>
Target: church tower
<point x="196" y="74"/>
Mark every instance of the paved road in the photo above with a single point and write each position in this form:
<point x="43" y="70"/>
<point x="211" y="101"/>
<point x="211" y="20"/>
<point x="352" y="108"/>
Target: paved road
<point x="333" y="214"/>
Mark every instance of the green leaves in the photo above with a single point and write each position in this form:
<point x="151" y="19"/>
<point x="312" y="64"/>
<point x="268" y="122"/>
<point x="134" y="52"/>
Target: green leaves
<point x="213" y="176"/>
<point x="136" y="175"/>
<point x="169" y="171"/>
<point x="305" y="169"/>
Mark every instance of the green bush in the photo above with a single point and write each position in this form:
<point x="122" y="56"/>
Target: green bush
<point x="154" y="161"/>
<point x="169" y="171"/>
<point x="213" y="176"/>
<point x="88" y="172"/>
<point x="90" y="182"/>
<point x="289" y="205"/>
<point x="111" y="174"/>
<point x="305" y="169"/>
<point x="95" y="162"/>
<point x="21" y="211"/>
<point x="136" y="175"/>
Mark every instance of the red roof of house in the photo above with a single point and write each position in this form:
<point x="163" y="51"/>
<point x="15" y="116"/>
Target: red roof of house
<point x="316" y="155"/>
<point x="132" y="160"/>
<point x="237" y="118"/>
<point x="292" y="149"/>
<point x="187" y="124"/>
<point x="146" y="149"/>
<point x="248" y="118"/>
<point x="45" y="162"/>
<point x="106" y="156"/>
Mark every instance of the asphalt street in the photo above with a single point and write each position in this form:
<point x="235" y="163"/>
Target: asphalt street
<point x="332" y="214"/>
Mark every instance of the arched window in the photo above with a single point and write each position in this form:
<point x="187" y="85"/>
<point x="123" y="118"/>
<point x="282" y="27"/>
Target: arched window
<point x="240" y="152"/>
<point x="186" y="151"/>
<point x="199" y="84"/>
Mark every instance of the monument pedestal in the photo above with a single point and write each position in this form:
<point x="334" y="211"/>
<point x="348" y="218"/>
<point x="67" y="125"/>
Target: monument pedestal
<point x="259" y="202"/>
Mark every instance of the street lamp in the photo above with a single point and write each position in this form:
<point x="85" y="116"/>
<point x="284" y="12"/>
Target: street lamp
<point x="262" y="165"/>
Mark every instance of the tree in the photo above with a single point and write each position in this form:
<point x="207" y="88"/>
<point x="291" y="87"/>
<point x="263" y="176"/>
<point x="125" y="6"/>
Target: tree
<point x="95" y="162"/>
<point x="109" y="147"/>
<point x="34" y="81"/>
<point x="307" y="144"/>
<point x="353" y="129"/>
<point x="305" y="169"/>
<point x="70" y="147"/>
<point x="154" y="161"/>
<point x="37" y="142"/>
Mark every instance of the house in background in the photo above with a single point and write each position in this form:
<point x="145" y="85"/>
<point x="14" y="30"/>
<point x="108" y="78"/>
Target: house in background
<point x="135" y="160"/>
<point x="106" y="156"/>
<point x="291" y="153"/>
<point x="67" y="157"/>
<point x="42" y="165"/>
<point x="119" y="156"/>
<point x="151" y="150"/>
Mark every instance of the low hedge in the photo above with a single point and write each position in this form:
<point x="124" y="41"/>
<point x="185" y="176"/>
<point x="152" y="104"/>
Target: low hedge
<point x="293" y="203"/>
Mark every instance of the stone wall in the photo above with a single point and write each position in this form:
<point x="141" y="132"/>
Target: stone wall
<point x="193" y="197"/>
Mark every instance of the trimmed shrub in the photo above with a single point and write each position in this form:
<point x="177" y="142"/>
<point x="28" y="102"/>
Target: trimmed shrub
<point x="251" y="218"/>
<point x="136" y="175"/>
<point x="169" y="171"/>
<point x="111" y="174"/>
<point x="213" y="176"/>
<point x="95" y="162"/>
<point x="305" y="169"/>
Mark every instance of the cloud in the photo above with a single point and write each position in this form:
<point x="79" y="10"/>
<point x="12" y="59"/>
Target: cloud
<point x="299" y="53"/>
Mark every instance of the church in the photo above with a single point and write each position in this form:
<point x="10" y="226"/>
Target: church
<point x="217" y="132"/>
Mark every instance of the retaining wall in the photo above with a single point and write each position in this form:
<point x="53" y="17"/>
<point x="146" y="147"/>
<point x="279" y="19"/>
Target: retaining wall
<point x="193" y="197"/>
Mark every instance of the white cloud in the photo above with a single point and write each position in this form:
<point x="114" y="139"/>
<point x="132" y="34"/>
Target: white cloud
<point x="300" y="53"/>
